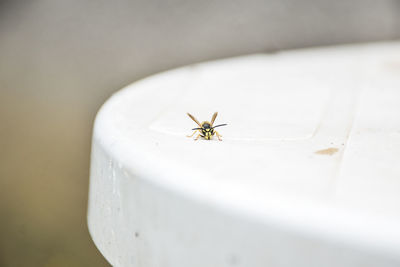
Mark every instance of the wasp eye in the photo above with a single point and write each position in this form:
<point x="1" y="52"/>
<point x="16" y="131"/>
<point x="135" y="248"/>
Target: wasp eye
<point x="206" y="126"/>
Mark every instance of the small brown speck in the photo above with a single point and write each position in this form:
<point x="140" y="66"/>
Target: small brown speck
<point x="328" y="151"/>
<point x="136" y="234"/>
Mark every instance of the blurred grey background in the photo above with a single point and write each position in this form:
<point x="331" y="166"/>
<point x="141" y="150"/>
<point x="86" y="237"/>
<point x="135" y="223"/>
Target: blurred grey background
<point x="60" y="60"/>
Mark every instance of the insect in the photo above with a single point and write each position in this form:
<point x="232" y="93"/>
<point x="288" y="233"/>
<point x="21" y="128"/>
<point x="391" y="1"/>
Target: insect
<point x="206" y="129"/>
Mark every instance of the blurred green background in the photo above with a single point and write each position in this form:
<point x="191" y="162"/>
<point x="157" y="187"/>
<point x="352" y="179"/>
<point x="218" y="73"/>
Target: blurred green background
<point x="60" y="60"/>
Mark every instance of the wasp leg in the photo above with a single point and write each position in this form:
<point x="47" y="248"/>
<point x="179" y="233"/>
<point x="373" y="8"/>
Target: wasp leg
<point x="218" y="135"/>
<point x="197" y="137"/>
<point x="192" y="134"/>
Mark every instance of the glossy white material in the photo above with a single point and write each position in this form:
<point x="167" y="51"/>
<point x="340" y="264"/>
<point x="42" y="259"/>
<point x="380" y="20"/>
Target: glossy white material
<point x="308" y="172"/>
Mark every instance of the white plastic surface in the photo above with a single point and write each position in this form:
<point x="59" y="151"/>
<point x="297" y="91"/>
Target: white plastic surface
<point x="307" y="173"/>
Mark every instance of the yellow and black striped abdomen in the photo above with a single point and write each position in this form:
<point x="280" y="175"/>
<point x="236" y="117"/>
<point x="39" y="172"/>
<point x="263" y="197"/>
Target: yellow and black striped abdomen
<point x="208" y="134"/>
<point x="207" y="131"/>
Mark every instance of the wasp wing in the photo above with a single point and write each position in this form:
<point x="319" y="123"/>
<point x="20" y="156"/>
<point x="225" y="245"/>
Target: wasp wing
<point x="194" y="119"/>
<point x="213" y="118"/>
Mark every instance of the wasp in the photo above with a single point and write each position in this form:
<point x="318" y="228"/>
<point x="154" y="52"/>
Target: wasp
<point x="206" y="129"/>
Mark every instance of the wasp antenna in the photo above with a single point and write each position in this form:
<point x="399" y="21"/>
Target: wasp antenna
<point x="196" y="129"/>
<point x="193" y="118"/>
<point x="220" y="125"/>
